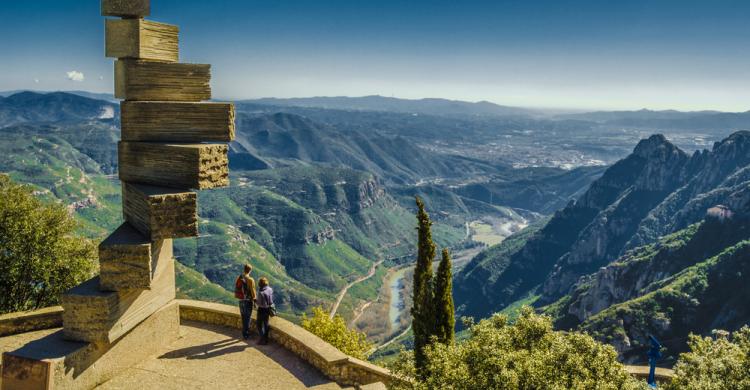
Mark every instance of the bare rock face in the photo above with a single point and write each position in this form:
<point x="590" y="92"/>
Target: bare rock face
<point x="711" y="178"/>
<point x="367" y="193"/>
<point x="657" y="168"/>
<point x="642" y="270"/>
<point x="322" y="236"/>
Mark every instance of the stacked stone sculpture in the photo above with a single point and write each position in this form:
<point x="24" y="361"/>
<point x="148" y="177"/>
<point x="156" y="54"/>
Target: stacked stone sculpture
<point x="172" y="143"/>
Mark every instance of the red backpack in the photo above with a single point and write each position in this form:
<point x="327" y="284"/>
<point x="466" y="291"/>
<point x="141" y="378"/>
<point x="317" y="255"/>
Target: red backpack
<point x="240" y="287"/>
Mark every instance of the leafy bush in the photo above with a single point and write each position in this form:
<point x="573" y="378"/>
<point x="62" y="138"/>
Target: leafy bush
<point x="40" y="257"/>
<point x="721" y="364"/>
<point x="334" y="331"/>
<point x="528" y="354"/>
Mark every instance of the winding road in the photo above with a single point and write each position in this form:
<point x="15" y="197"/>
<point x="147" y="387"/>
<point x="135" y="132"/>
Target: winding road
<point x="343" y="291"/>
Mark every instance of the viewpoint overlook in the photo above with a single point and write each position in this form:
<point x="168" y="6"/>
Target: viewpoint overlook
<point x="151" y="237"/>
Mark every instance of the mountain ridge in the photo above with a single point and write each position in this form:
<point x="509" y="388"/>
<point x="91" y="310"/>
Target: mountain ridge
<point x="656" y="190"/>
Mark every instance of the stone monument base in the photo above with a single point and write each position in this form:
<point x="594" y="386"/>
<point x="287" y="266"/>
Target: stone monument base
<point x="56" y="363"/>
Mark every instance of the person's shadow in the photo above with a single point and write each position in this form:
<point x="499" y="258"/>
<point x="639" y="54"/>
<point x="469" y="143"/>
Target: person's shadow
<point x="308" y="375"/>
<point x="207" y="351"/>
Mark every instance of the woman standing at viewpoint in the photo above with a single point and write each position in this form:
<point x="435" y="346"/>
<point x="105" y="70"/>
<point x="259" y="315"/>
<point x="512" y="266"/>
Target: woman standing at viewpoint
<point x="265" y="309"/>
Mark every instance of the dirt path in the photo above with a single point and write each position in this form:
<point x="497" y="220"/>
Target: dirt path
<point x="392" y="340"/>
<point x="360" y="310"/>
<point x="343" y="292"/>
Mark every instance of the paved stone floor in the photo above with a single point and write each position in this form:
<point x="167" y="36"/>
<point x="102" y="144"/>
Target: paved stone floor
<point x="211" y="357"/>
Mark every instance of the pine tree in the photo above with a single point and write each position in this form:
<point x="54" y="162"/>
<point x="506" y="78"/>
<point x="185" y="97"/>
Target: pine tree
<point x="423" y="320"/>
<point x="444" y="312"/>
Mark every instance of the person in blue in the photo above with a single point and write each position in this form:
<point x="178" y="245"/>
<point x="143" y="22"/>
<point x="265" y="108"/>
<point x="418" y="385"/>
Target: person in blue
<point x="266" y="309"/>
<point x="654" y="354"/>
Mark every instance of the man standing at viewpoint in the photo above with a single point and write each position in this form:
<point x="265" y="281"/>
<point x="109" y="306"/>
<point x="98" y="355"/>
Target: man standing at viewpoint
<point x="244" y="290"/>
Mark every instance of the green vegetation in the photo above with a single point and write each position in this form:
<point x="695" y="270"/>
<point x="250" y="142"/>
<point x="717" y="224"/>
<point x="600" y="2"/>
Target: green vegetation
<point x="423" y="311"/>
<point x="334" y="331"/>
<point x="445" y="321"/>
<point x="528" y="354"/>
<point x="192" y="284"/>
<point x="40" y="255"/>
<point x="692" y="301"/>
<point x="722" y="363"/>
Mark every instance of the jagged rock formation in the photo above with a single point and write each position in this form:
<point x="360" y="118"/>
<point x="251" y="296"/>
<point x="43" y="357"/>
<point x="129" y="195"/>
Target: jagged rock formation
<point x="655" y="191"/>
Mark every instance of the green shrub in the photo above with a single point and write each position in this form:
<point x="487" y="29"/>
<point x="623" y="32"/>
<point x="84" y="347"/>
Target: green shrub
<point x="334" y="331"/>
<point x="722" y="363"/>
<point x="528" y="354"/>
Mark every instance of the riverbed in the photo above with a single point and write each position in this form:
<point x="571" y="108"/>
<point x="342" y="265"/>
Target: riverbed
<point x="397" y="292"/>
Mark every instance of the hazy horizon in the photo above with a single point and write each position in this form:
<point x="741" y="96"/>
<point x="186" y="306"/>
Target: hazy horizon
<point x="581" y="55"/>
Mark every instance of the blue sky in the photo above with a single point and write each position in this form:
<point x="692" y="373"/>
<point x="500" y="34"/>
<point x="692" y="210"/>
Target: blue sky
<point x="681" y="54"/>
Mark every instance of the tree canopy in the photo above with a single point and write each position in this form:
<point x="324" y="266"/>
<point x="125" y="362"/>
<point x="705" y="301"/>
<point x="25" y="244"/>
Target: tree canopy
<point x="40" y="255"/>
<point x="423" y="313"/>
<point x="721" y="363"/>
<point x="444" y="309"/>
<point x="527" y="354"/>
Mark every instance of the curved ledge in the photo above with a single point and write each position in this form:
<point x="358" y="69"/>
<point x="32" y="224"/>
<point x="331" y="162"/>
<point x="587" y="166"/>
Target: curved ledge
<point x="29" y="321"/>
<point x="335" y="364"/>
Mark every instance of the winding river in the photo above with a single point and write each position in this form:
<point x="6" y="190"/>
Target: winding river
<point x="397" y="292"/>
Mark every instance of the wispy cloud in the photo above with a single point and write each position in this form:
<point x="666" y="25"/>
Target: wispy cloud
<point x="75" y="75"/>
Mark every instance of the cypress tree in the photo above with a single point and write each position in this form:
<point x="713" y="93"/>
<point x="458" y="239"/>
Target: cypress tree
<point x="445" y="321"/>
<point x="423" y="320"/>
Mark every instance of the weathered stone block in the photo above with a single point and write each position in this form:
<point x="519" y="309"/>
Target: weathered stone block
<point x="126" y="8"/>
<point x="128" y="260"/>
<point x="177" y="122"/>
<point x="66" y="365"/>
<point x="156" y="81"/>
<point x="199" y="166"/>
<point x="98" y="316"/>
<point x="159" y="212"/>
<point x="141" y="39"/>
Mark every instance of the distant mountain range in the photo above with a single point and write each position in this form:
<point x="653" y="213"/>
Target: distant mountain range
<point x="442" y="107"/>
<point x="27" y="106"/>
<point x="669" y="119"/>
<point x="91" y="95"/>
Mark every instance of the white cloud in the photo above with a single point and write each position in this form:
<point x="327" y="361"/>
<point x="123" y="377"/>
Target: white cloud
<point x="75" y="75"/>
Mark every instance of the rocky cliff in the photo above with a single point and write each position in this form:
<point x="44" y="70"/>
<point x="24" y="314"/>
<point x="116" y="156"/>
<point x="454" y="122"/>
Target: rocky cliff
<point x="655" y="191"/>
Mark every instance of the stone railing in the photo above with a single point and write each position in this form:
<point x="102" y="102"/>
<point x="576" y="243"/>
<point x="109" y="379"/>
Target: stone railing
<point x="338" y="366"/>
<point x="29" y="321"/>
<point x="335" y="364"/>
<point x="663" y="375"/>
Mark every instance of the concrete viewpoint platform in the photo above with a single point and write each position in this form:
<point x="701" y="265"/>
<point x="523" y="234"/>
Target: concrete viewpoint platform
<point x="207" y="352"/>
<point x="210" y="356"/>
